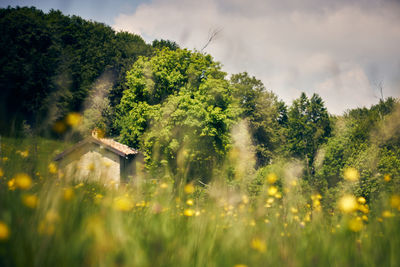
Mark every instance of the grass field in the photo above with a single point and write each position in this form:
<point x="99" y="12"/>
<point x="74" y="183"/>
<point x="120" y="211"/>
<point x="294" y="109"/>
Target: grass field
<point x="45" y="221"/>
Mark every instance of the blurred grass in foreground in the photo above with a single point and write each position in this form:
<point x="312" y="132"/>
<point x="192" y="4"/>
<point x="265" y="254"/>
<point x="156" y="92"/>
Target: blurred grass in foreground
<point x="45" y="221"/>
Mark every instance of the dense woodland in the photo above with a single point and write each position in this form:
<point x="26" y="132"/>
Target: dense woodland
<point x="178" y="106"/>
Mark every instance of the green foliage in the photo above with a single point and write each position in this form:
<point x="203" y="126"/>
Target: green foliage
<point x="178" y="110"/>
<point x="361" y="140"/>
<point x="27" y="63"/>
<point x="49" y="62"/>
<point x="308" y="127"/>
<point x="262" y="110"/>
<point x="148" y="223"/>
<point x="160" y="44"/>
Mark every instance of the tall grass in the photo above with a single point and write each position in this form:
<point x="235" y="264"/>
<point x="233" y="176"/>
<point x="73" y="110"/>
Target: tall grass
<point x="272" y="219"/>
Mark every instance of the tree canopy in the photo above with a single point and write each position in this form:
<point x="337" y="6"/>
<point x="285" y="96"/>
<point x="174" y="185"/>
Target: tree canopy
<point x="178" y="108"/>
<point x="308" y="126"/>
<point x="260" y="108"/>
<point x="49" y="63"/>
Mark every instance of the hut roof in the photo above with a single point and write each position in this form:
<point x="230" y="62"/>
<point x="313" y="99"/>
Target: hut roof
<point x="107" y="143"/>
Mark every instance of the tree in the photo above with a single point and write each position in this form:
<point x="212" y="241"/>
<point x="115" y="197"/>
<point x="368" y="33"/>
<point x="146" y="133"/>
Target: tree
<point x="28" y="58"/>
<point x="359" y="141"/>
<point x="160" y="44"/>
<point x="178" y="110"/>
<point x="308" y="127"/>
<point x="49" y="64"/>
<point x="260" y="108"/>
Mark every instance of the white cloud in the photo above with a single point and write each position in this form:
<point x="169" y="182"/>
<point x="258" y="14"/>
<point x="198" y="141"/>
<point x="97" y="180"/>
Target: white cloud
<point x="349" y="88"/>
<point x="292" y="46"/>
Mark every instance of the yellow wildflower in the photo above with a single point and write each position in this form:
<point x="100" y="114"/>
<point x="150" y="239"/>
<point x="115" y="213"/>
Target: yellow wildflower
<point x="164" y="185"/>
<point x="11" y="184"/>
<point x="189" y="188"/>
<point x="316" y="202"/>
<point x="31" y="201"/>
<point x="387" y="178"/>
<point x="363" y="208"/>
<point x="79" y="185"/>
<point x="348" y="204"/>
<point x="90" y="167"/>
<point x="258" y="244"/>
<point x="294" y="210"/>
<point x="123" y="203"/>
<point x="355" y="224"/>
<point x="141" y="204"/>
<point x="24" y="153"/>
<point x="4" y="231"/>
<point x="351" y="174"/>
<point x="272" y="178"/>
<point x="98" y="198"/>
<point x="272" y="190"/>
<point x="395" y="201"/>
<point x="188" y="212"/>
<point x="245" y="199"/>
<point x="1" y="172"/>
<point x="73" y="119"/>
<point x="240" y="265"/>
<point x="52" y="168"/>
<point x="361" y="200"/>
<point x="316" y="196"/>
<point x="68" y="193"/>
<point x="52" y="216"/>
<point x="387" y="214"/>
<point x="23" y="181"/>
<point x="189" y="202"/>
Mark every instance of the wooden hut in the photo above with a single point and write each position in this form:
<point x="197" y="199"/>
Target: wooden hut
<point x="98" y="159"/>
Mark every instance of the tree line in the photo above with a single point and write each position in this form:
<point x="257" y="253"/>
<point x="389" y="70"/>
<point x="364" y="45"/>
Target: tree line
<point x="178" y="106"/>
<point x="49" y="63"/>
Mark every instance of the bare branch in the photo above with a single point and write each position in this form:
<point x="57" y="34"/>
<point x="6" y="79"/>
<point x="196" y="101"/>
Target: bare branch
<point x="379" y="85"/>
<point x="212" y="35"/>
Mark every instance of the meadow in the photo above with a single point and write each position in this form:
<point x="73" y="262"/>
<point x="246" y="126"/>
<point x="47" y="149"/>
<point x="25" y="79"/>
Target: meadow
<point x="274" y="219"/>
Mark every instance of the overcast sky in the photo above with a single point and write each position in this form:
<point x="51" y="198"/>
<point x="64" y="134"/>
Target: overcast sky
<point x="344" y="50"/>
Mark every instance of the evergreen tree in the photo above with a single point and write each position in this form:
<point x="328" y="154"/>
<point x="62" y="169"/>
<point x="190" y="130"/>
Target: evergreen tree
<point x="308" y="127"/>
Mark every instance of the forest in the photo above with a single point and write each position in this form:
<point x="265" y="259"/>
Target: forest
<point x="232" y="175"/>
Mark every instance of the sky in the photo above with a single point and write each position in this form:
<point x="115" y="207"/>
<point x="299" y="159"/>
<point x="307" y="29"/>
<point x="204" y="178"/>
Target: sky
<point x="347" y="51"/>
